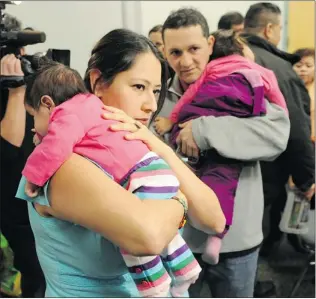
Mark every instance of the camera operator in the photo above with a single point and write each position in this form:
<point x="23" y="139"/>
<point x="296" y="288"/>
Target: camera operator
<point x="16" y="145"/>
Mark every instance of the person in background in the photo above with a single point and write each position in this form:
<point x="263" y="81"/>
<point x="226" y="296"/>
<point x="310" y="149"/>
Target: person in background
<point x="305" y="68"/>
<point x="231" y="20"/>
<point x="188" y="48"/>
<point x="16" y="145"/>
<point x="263" y="33"/>
<point x="155" y="37"/>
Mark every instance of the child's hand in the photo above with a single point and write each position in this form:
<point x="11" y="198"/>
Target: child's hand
<point x="36" y="139"/>
<point x="162" y="125"/>
<point x="31" y="189"/>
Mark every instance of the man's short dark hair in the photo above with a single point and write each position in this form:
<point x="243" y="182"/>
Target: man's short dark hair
<point x="157" y="28"/>
<point x="260" y="14"/>
<point x="186" y="17"/>
<point x="229" y="19"/>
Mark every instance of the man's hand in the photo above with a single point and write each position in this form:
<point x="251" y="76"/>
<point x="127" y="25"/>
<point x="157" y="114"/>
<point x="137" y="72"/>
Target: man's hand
<point x="12" y="76"/>
<point x="14" y="120"/>
<point x="186" y="141"/>
<point x="307" y="194"/>
<point x="310" y="192"/>
<point x="162" y="125"/>
<point x="11" y="66"/>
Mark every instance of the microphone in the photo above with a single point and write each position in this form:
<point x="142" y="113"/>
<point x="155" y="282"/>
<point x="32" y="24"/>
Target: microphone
<point x="22" y="38"/>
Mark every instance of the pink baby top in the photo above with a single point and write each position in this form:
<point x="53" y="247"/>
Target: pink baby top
<point x="76" y="126"/>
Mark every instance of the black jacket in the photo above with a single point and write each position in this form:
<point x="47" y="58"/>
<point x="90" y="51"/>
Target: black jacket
<point x="298" y="159"/>
<point x="13" y="211"/>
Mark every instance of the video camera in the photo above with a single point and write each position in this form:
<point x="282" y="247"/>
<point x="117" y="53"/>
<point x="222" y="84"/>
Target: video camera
<point x="12" y="41"/>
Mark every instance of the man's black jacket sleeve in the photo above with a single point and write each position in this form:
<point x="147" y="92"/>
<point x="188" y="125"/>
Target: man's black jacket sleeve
<point x="300" y="150"/>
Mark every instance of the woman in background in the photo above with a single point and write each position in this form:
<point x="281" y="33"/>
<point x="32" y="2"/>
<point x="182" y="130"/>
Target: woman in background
<point x="305" y="68"/>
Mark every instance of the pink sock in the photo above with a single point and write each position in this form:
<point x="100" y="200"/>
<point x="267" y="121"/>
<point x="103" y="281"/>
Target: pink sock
<point x="213" y="247"/>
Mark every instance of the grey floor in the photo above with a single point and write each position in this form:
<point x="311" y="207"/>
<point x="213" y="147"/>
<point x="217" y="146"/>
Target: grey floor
<point x="283" y="269"/>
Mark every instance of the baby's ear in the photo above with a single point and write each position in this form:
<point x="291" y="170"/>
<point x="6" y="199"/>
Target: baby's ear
<point x="48" y="102"/>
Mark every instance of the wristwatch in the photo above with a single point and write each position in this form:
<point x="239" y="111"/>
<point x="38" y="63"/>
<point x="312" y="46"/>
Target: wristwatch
<point x="185" y="208"/>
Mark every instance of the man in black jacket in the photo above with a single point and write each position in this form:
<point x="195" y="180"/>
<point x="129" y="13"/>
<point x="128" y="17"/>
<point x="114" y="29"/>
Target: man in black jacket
<point x="15" y="146"/>
<point x="263" y="33"/>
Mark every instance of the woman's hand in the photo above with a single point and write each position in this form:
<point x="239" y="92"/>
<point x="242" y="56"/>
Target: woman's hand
<point x="162" y="125"/>
<point x="204" y="207"/>
<point x="137" y="130"/>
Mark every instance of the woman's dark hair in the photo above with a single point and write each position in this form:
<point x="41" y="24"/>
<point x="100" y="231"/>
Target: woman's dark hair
<point x="227" y="42"/>
<point x="53" y="79"/>
<point x="305" y="52"/>
<point x="116" y="52"/>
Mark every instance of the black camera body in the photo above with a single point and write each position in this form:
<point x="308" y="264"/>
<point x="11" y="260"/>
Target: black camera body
<point x="12" y="41"/>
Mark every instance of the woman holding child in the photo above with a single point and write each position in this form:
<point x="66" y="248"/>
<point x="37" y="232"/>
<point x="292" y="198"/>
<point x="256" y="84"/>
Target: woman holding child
<point x="83" y="212"/>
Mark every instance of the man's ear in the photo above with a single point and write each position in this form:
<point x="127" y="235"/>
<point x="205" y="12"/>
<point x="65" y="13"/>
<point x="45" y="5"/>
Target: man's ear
<point x="268" y="31"/>
<point x="48" y="102"/>
<point x="211" y="42"/>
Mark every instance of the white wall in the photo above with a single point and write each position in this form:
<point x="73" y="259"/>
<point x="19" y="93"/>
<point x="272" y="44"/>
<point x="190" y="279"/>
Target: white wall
<point x="156" y="12"/>
<point x="73" y="25"/>
<point x="78" y="25"/>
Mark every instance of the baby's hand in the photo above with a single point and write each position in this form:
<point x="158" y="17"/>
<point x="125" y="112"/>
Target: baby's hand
<point x="36" y="139"/>
<point x="31" y="190"/>
<point x="162" y="125"/>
